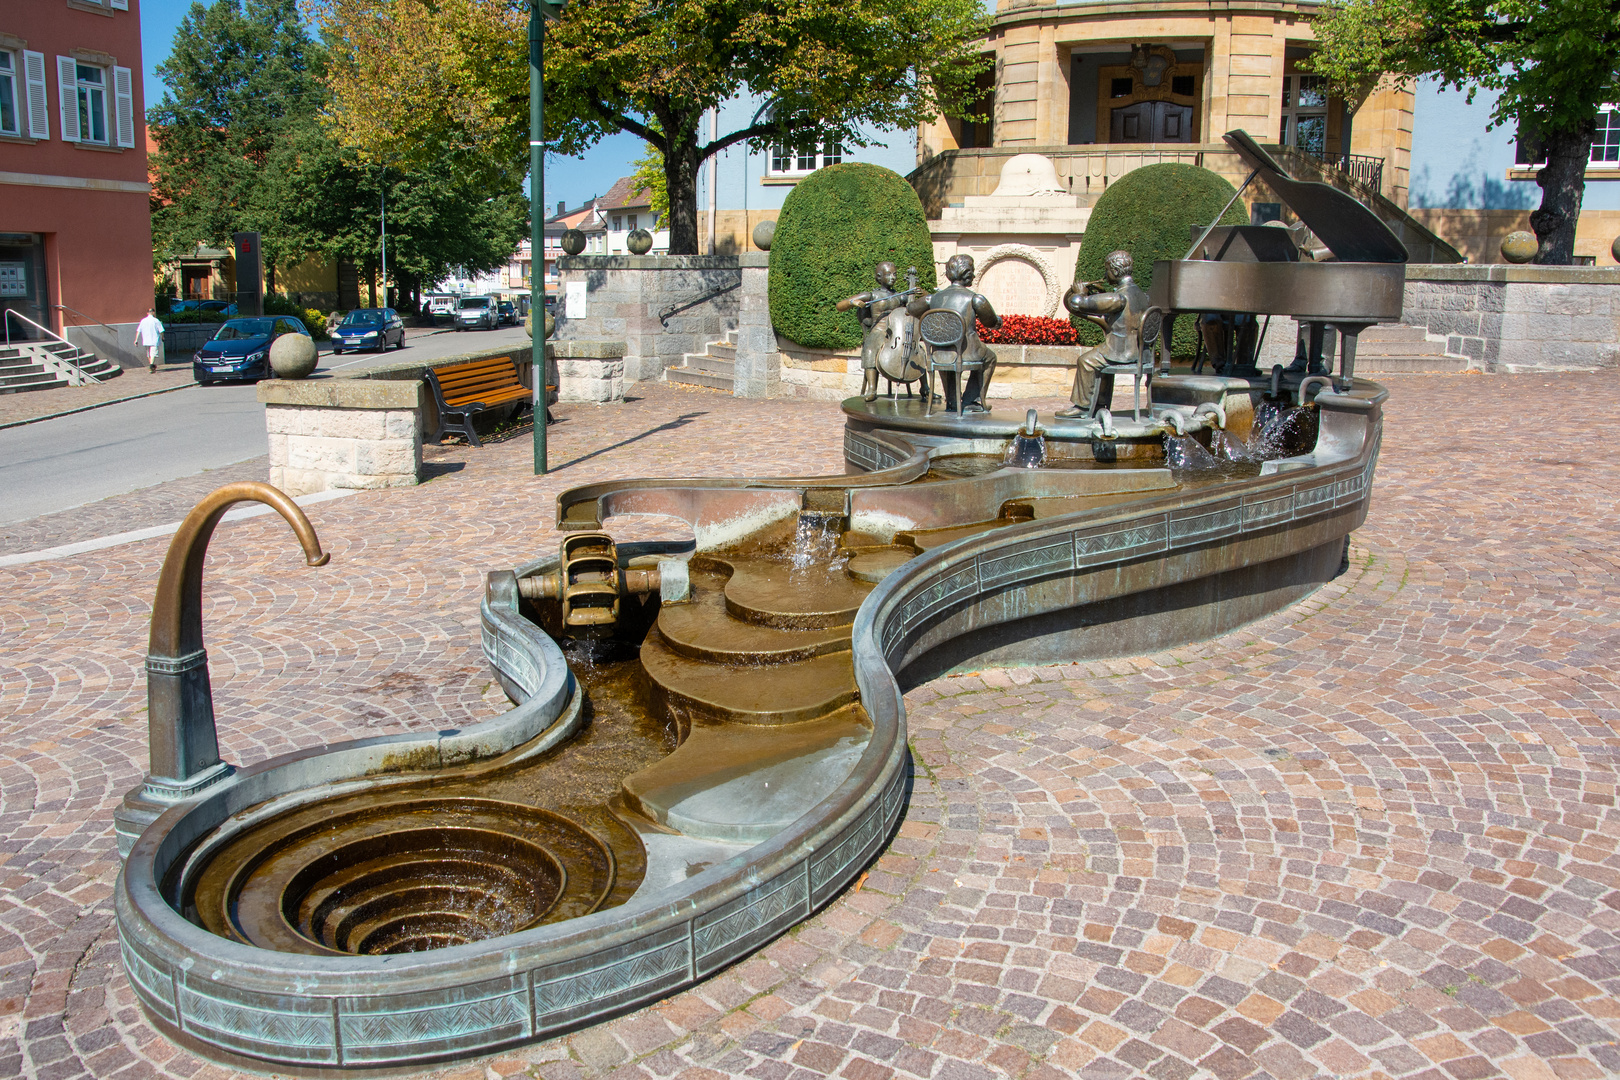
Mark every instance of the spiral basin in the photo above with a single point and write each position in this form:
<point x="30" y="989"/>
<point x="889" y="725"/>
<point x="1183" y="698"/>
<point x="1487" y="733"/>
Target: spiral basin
<point x="377" y="876"/>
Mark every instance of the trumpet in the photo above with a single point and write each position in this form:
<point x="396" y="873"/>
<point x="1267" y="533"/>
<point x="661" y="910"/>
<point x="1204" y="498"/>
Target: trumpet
<point x="1101" y="285"/>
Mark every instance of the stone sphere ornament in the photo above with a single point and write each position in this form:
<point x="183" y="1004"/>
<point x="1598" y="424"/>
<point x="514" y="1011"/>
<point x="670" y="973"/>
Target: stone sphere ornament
<point x="639" y="241"/>
<point x="1614" y="249"/>
<point x="573" y="241"/>
<point x="764" y="233"/>
<point x="1519" y="247"/>
<point x="293" y="356"/>
<point x="551" y="324"/>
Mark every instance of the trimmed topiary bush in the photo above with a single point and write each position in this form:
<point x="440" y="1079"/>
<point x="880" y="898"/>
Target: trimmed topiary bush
<point x="1149" y="212"/>
<point x="836" y="225"/>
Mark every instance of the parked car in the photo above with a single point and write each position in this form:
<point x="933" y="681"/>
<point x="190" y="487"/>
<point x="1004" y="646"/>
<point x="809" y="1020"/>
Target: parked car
<point x="183" y="305"/>
<point x="219" y="307"/>
<point x="477" y="313"/>
<point x="508" y="313"/>
<point x="436" y="304"/>
<point x="241" y="350"/>
<point x="369" y="328"/>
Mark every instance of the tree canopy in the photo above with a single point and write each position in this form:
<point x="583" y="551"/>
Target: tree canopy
<point x="832" y="73"/>
<point x="1551" y="64"/>
<point x="241" y="146"/>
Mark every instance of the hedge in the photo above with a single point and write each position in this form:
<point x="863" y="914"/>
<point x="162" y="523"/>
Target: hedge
<point x="1150" y="212"/>
<point x="836" y="225"/>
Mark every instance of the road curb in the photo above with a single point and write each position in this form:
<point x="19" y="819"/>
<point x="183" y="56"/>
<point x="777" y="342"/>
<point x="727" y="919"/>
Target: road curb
<point x="97" y="405"/>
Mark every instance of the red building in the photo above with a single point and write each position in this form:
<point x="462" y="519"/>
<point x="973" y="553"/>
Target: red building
<point x="75" y="223"/>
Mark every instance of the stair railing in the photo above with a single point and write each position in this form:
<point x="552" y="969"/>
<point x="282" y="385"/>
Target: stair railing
<point x="82" y="315"/>
<point x="75" y="375"/>
<point x="675" y="309"/>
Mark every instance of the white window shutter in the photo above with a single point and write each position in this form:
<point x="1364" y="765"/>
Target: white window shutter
<point x="39" y="106"/>
<point x="124" y="93"/>
<point x="67" y="72"/>
<point x="120" y="5"/>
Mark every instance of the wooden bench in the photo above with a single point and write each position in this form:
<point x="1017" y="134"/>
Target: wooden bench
<point x="462" y="391"/>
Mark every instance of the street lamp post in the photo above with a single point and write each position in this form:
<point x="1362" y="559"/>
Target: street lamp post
<point x="538" y="10"/>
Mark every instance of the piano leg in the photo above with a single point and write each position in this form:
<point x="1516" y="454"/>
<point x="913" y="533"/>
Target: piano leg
<point x="1347" y="352"/>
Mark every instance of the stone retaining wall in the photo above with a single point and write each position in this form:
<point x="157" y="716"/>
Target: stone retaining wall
<point x="1520" y="318"/>
<point x="588" y="370"/>
<point x="625" y="295"/>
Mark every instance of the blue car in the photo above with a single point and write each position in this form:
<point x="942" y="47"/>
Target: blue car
<point x="240" y="352"/>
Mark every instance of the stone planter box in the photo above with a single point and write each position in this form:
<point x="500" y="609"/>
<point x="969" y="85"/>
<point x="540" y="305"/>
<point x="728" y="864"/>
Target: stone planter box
<point x="588" y="370"/>
<point x="343" y="433"/>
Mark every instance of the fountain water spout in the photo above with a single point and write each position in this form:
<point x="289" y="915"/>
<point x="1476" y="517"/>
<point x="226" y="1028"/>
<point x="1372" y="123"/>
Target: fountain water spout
<point x="1213" y="410"/>
<point x="1309" y="381"/>
<point x="1176" y="421"/>
<point x="179" y="702"/>
<point x="1027" y="450"/>
<point x="1276" y="380"/>
<point x="1106" y="419"/>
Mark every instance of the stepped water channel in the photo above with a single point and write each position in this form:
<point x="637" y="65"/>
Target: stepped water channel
<point x="708" y="741"/>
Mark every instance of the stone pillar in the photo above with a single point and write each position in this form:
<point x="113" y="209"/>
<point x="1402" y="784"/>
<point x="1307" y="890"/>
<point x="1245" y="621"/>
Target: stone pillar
<point x="343" y="433"/>
<point x="758" y="372"/>
<point x="588" y="370"/>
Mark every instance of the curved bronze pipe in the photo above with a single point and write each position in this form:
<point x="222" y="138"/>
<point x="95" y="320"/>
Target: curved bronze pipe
<point x="180" y="707"/>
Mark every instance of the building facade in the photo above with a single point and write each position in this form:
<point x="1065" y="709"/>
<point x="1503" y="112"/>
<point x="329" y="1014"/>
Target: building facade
<point x="75" y="224"/>
<point x="742" y="186"/>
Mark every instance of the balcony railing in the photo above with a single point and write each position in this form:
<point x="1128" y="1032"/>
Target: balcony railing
<point x="1359" y="167"/>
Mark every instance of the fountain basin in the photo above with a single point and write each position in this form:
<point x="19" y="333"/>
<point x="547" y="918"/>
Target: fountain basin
<point x="1099" y="565"/>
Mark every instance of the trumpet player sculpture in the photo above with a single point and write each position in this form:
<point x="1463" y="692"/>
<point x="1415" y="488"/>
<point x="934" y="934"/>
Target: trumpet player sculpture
<point x="1119" y="312"/>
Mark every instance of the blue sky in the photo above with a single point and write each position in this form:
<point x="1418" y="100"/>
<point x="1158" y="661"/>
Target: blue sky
<point x="572" y="180"/>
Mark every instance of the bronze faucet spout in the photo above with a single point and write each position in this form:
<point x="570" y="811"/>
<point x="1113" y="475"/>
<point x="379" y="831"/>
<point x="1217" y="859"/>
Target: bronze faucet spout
<point x="180" y="708"/>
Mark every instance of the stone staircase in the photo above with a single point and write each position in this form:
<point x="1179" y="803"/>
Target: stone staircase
<point x="41" y="365"/>
<point x="715" y="368"/>
<point x="1395" y="349"/>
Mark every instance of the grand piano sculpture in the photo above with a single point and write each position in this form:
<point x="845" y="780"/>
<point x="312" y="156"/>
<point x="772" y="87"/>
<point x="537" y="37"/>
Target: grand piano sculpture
<point x="1355" y="281"/>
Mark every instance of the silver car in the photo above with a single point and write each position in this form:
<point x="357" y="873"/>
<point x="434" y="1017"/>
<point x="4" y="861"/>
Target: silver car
<point x="477" y="313"/>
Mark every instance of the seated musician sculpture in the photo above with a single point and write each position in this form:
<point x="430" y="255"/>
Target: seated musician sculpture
<point x="978" y="359"/>
<point x="887" y="344"/>
<point x="1119" y="312"/>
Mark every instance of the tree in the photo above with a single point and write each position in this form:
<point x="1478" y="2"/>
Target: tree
<point x="1552" y="63"/>
<point x="649" y="178"/>
<point x="242" y="145"/>
<point x="240" y="80"/>
<point x="832" y="72"/>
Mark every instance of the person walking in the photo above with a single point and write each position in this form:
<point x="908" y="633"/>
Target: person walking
<point x="149" y="335"/>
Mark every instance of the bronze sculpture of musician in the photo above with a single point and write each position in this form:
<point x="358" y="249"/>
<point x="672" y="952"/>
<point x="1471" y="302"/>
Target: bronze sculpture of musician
<point x="1119" y="312"/>
<point x="890" y="330"/>
<point x="974" y="308"/>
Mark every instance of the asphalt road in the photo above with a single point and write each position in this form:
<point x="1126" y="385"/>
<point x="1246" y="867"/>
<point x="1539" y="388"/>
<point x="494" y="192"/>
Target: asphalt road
<point x="59" y="464"/>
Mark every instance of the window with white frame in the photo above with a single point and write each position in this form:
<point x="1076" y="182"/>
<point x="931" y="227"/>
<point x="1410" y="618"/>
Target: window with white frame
<point x="1606" y="139"/>
<point x="98" y="103"/>
<point x="788" y="161"/>
<point x="10" y="114"/>
<point x="90" y="95"/>
<point x="1304" y="113"/>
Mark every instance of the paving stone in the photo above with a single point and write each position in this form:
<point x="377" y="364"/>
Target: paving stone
<point x="1373" y="833"/>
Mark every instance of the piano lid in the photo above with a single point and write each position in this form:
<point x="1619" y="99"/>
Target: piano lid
<point x="1351" y="231"/>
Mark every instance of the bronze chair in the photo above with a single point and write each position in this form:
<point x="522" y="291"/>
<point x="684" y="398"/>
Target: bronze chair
<point x="945" y="334"/>
<point x="1142" y="370"/>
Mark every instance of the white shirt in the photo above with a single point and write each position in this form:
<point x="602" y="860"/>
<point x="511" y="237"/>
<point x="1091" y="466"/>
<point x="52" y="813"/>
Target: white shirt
<point x="149" y="333"/>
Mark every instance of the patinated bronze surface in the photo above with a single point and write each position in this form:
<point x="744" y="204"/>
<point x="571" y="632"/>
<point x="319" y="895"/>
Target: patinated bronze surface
<point x="1118" y="310"/>
<point x="890" y="337"/>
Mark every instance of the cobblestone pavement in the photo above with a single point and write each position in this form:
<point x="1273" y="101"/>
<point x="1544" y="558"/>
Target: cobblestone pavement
<point x="1372" y="835"/>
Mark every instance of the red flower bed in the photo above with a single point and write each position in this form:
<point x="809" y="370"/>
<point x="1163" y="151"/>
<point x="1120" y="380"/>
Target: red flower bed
<point x="1029" y="330"/>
